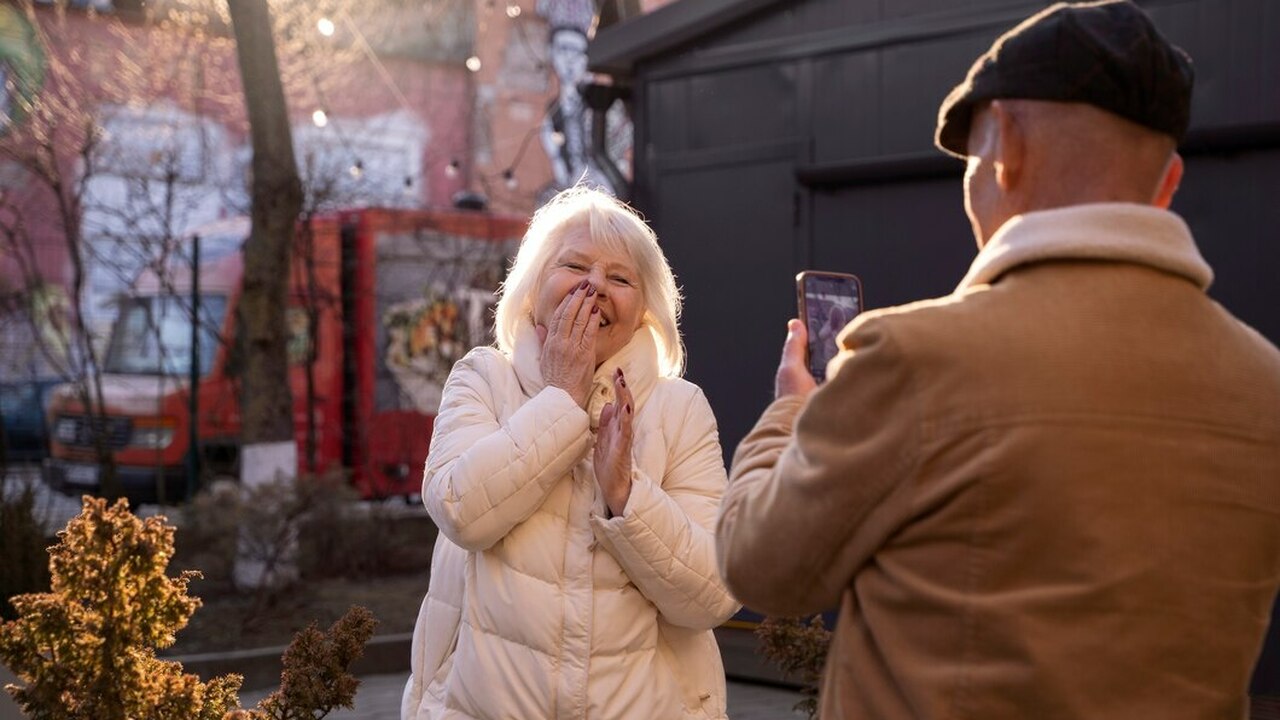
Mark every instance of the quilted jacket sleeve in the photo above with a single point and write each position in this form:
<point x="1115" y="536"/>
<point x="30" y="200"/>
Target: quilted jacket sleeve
<point x="663" y="538"/>
<point x="484" y="477"/>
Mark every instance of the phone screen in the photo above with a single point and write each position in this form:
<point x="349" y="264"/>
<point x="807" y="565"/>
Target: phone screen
<point x="828" y="301"/>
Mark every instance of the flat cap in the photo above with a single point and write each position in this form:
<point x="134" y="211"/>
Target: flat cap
<point x="1108" y="54"/>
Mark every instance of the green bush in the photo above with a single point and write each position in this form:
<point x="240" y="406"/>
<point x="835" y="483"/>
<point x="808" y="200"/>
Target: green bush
<point x="799" y="648"/>
<point x="24" y="562"/>
<point x="86" y="649"/>
<point x="207" y="536"/>
<point x="336" y="535"/>
<point x="341" y="537"/>
<point x="315" y="677"/>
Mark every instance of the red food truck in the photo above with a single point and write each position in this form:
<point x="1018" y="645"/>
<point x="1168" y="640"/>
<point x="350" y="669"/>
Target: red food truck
<point x="382" y="303"/>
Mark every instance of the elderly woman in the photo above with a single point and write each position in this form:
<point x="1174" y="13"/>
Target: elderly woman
<point x="575" y="479"/>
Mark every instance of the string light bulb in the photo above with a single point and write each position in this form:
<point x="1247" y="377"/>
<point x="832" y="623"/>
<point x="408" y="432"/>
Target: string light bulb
<point x="326" y="27"/>
<point x="473" y="63"/>
<point x="451" y="170"/>
<point x="509" y="177"/>
<point x="513" y="10"/>
<point x="320" y="118"/>
<point x="357" y="170"/>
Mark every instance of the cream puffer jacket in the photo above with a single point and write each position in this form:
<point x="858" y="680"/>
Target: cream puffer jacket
<point x="540" y="605"/>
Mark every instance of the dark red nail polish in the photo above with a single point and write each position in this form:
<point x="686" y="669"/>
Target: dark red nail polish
<point x="595" y="310"/>
<point x="628" y="406"/>
<point x="622" y="382"/>
<point x="591" y="291"/>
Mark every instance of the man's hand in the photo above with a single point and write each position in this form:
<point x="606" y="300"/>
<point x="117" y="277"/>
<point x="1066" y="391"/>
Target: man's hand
<point x="569" y="344"/>
<point x="793" y="376"/>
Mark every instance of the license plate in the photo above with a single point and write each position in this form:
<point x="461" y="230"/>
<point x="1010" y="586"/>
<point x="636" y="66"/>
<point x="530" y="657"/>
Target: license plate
<point x="82" y="475"/>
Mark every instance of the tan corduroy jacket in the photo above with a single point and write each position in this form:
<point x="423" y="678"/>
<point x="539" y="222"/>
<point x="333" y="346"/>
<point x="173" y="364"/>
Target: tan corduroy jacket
<point x="1053" y="494"/>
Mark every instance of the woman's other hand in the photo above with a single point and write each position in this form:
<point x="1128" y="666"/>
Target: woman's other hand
<point x="569" y="343"/>
<point x="613" y="447"/>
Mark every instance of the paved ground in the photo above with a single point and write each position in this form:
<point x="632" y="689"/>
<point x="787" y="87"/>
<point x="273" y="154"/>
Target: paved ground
<point x="379" y="699"/>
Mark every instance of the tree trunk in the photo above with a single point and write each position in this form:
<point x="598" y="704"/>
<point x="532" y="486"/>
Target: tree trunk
<point x="267" y="405"/>
<point x="268" y="449"/>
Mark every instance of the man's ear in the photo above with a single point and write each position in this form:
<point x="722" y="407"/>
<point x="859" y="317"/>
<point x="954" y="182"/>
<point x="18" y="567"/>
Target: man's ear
<point x="1011" y="146"/>
<point x="1169" y="182"/>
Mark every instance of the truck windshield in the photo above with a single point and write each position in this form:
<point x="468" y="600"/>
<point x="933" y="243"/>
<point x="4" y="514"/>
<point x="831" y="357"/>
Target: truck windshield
<point x="152" y="335"/>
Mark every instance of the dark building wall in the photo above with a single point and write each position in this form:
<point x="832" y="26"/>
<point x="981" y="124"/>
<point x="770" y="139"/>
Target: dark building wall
<point x="804" y="133"/>
<point x="800" y="136"/>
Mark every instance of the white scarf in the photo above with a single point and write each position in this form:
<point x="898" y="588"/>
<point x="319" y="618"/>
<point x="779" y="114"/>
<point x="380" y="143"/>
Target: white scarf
<point x="638" y="360"/>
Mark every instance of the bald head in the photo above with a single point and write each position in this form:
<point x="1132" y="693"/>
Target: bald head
<point x="1027" y="155"/>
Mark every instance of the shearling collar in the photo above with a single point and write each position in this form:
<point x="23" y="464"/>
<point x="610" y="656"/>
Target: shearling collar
<point x="638" y="360"/>
<point x="1122" y="232"/>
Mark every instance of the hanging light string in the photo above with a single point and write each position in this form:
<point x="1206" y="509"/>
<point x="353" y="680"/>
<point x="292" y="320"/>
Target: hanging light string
<point x="322" y="119"/>
<point x="367" y="49"/>
<point x="523" y="33"/>
<point x="508" y="174"/>
<point x="321" y="116"/>
<point x="513" y="12"/>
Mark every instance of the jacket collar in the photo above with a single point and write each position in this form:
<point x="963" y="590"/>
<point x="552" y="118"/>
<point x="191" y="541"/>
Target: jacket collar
<point x="638" y="360"/>
<point x="1121" y="232"/>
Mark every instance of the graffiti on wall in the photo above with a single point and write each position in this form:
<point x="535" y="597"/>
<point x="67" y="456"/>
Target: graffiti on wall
<point x="361" y="162"/>
<point x="22" y="66"/>
<point x="161" y="171"/>
<point x="566" y="131"/>
<point x="33" y="333"/>
<point x="435" y="301"/>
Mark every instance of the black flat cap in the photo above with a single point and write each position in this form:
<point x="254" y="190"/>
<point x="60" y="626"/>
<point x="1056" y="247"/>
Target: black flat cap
<point x="1108" y="54"/>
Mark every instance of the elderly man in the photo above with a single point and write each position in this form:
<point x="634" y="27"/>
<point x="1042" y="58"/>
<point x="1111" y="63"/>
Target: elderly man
<point x="1054" y="493"/>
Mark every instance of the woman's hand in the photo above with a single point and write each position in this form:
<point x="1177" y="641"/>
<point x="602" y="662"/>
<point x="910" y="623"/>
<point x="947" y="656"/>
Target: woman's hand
<point x="613" y="447"/>
<point x="569" y="343"/>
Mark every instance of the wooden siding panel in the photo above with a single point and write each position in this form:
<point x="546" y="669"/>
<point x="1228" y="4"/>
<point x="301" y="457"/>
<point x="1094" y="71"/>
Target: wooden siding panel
<point x="846" y="106"/>
<point x="1230" y="203"/>
<point x="729" y="236"/>
<point x="906" y="241"/>
<point x="715" y="110"/>
<point x="917" y="77"/>
<point x="666" y="116"/>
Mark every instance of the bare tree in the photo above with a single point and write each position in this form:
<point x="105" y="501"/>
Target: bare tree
<point x="165" y="67"/>
<point x="46" y="204"/>
<point x="267" y="405"/>
<point x="79" y="178"/>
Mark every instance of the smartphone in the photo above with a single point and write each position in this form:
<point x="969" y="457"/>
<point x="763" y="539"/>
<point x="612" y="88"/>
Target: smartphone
<point x="827" y="302"/>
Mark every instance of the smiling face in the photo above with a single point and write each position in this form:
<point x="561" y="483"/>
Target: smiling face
<point x="619" y="293"/>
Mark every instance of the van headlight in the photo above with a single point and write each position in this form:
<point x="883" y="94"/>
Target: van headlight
<point x="64" y="430"/>
<point x="152" y="433"/>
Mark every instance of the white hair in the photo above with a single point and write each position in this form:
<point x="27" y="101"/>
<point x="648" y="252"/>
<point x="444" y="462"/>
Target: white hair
<point x="618" y="228"/>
